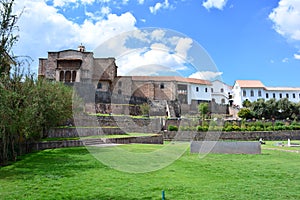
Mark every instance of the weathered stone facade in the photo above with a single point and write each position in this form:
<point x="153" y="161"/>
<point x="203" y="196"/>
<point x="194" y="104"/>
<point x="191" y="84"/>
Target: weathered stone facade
<point x="99" y="76"/>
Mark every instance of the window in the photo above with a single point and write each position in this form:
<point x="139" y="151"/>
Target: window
<point x="99" y="85"/>
<point x="206" y="90"/>
<point x="68" y="76"/>
<point x="119" y="92"/>
<point x="274" y="95"/>
<point x="280" y="95"/>
<point x="259" y="93"/>
<point x="120" y="83"/>
<point x="73" y="76"/>
<point x="252" y="93"/>
<point x="212" y="90"/>
<point x="223" y="101"/>
<point x="267" y="95"/>
<point x="287" y="95"/>
<point x="197" y="89"/>
<point x="61" y="76"/>
<point x="222" y="90"/>
<point x="294" y="95"/>
<point x="162" y="86"/>
<point x="244" y="93"/>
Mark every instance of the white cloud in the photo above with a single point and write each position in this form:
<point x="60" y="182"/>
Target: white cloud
<point x="141" y="1"/>
<point x="43" y="29"/>
<point x="158" y="6"/>
<point x="297" y="56"/>
<point x="105" y="10"/>
<point x="219" y="4"/>
<point x="158" y="34"/>
<point x="141" y="61"/>
<point x="286" y="18"/>
<point x="206" y="75"/>
<point x="285" y="60"/>
<point x="182" y="47"/>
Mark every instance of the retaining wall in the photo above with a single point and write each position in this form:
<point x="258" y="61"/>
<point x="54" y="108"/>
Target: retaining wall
<point x="242" y="136"/>
<point x="225" y="147"/>
<point x="156" y="139"/>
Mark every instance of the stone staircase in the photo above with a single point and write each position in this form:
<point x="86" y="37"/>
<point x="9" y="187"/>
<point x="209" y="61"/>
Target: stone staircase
<point x="92" y="142"/>
<point x="234" y="112"/>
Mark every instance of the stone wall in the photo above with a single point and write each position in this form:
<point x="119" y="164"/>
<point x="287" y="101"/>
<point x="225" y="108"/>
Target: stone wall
<point x="242" y="136"/>
<point x="225" y="147"/>
<point x="157" y="139"/>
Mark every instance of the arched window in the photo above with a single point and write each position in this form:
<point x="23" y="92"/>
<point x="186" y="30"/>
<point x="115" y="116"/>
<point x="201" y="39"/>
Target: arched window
<point x="119" y="92"/>
<point x="252" y="93"/>
<point x="73" y="76"/>
<point x="267" y="95"/>
<point x="197" y="89"/>
<point x="259" y="93"/>
<point x="223" y="101"/>
<point x="68" y="76"/>
<point x="287" y="95"/>
<point x="280" y="95"/>
<point x="99" y="85"/>
<point x="61" y="76"/>
<point x="212" y="90"/>
<point x="206" y="90"/>
<point x="222" y="90"/>
<point x="244" y="93"/>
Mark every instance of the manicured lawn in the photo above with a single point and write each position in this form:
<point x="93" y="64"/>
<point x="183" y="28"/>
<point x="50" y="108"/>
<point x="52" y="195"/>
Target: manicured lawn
<point x="73" y="173"/>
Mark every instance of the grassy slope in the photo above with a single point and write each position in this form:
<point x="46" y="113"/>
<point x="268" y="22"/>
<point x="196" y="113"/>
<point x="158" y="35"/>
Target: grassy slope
<point x="73" y="173"/>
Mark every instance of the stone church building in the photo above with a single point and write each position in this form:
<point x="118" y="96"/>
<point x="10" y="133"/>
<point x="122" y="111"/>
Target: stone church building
<point x="81" y="67"/>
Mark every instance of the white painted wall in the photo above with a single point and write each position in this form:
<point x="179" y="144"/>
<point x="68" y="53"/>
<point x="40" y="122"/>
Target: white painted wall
<point x="238" y="97"/>
<point x="201" y="94"/>
<point x="218" y="94"/>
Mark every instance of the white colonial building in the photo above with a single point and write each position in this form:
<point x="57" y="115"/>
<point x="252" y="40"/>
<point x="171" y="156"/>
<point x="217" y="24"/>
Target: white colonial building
<point x="220" y="92"/>
<point x="253" y="90"/>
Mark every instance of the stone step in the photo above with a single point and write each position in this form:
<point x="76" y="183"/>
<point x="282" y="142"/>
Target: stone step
<point x="93" y="141"/>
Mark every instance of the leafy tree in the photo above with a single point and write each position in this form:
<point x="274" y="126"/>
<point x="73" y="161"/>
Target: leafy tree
<point x="246" y="104"/>
<point x="8" y="36"/>
<point x="245" y="113"/>
<point x="259" y="108"/>
<point x="203" y="110"/>
<point x="28" y="107"/>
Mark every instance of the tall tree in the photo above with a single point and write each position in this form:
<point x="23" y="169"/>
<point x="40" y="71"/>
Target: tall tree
<point x="8" y="37"/>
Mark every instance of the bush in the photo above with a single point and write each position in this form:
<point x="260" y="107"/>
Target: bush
<point x="199" y="128"/>
<point x="172" y="128"/>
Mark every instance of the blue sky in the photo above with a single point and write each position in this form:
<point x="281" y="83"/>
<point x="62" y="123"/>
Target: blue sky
<point x="245" y="39"/>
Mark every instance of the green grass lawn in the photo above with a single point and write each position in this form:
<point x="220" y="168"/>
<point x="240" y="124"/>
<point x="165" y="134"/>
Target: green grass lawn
<point x="73" y="173"/>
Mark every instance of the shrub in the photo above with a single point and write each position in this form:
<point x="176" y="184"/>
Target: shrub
<point x="199" y="128"/>
<point x="172" y="128"/>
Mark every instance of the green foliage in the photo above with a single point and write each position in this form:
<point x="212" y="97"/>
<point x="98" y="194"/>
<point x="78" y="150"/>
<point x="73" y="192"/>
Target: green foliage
<point x="246" y="103"/>
<point x="172" y="128"/>
<point x="203" y="110"/>
<point x="245" y="113"/>
<point x="272" y="109"/>
<point x="8" y="35"/>
<point x="28" y="107"/>
<point x="145" y="109"/>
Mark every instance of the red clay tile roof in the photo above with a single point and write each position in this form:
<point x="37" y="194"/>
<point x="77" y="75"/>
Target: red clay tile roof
<point x="250" y="83"/>
<point x="171" y="78"/>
